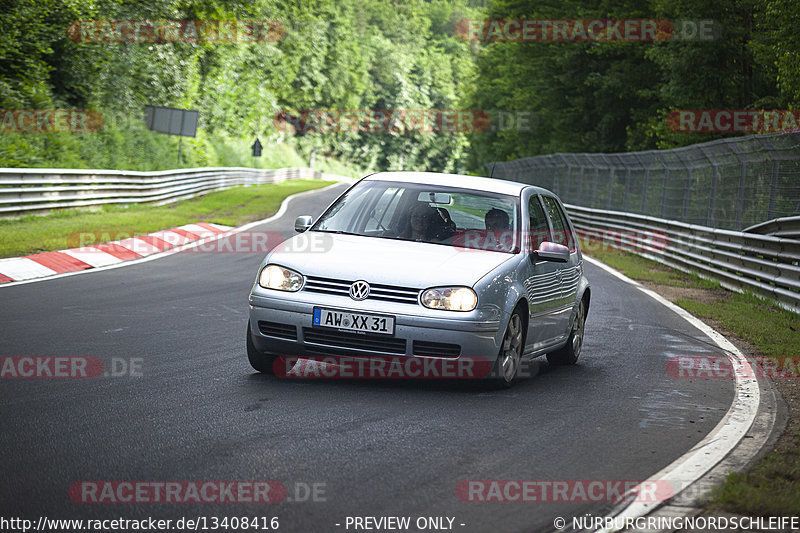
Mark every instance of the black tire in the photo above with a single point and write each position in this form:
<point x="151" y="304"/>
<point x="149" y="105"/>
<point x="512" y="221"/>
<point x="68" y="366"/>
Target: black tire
<point x="258" y="360"/>
<point x="507" y="365"/>
<point x="568" y="355"/>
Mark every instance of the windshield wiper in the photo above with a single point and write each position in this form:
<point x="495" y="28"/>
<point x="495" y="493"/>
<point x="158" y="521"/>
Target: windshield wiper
<point x="338" y="232"/>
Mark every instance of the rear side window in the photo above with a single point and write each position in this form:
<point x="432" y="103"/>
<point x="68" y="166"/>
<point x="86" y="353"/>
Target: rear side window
<point x="540" y="231"/>
<point x="561" y="231"/>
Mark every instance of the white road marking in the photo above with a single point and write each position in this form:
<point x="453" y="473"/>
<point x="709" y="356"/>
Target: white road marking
<point x="22" y="268"/>
<point x="695" y="463"/>
<point x="93" y="256"/>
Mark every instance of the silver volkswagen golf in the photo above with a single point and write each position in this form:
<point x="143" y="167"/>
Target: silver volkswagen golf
<point x="422" y="266"/>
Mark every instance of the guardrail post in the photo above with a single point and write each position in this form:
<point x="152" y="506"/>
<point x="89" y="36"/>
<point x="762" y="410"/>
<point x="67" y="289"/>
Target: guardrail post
<point x="714" y="180"/>
<point x="555" y="179"/>
<point x="644" y="189"/>
<point x="776" y="165"/>
<point x="627" y="189"/>
<point x="568" y="186"/>
<point x="740" y="196"/>
<point x="687" y="191"/>
<point x="766" y="142"/>
<point x="740" y="190"/>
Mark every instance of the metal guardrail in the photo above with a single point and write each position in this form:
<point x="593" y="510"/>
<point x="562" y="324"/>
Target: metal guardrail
<point x="788" y="227"/>
<point x="763" y="264"/>
<point x="30" y="191"/>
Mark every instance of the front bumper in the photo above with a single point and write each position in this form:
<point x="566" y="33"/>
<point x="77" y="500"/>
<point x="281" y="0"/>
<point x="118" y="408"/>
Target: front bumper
<point x="283" y="326"/>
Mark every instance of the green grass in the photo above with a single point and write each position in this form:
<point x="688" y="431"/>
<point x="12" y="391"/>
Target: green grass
<point x="769" y="489"/>
<point x="772" y="486"/>
<point x="774" y="331"/>
<point x="63" y="229"/>
<point x="642" y="269"/>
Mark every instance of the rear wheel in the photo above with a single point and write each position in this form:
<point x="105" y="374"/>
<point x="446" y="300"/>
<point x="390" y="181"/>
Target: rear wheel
<point x="568" y="355"/>
<point x="258" y="360"/>
<point x="508" y="360"/>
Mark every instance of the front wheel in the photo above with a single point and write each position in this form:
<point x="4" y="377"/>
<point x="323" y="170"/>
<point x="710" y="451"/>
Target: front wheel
<point x="508" y="360"/>
<point x="568" y="355"/>
<point x="258" y="360"/>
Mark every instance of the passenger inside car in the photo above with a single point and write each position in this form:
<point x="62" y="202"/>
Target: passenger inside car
<point x="496" y="219"/>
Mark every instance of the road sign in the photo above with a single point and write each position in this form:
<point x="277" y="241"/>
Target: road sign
<point x="257" y="148"/>
<point x="171" y="121"/>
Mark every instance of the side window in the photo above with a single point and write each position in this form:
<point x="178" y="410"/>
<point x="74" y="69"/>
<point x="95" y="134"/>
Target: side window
<point x="540" y="231"/>
<point x="561" y="231"/>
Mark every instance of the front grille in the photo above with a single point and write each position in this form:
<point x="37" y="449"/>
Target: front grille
<point x="386" y="293"/>
<point x="436" y="349"/>
<point x="344" y="340"/>
<point x="281" y="331"/>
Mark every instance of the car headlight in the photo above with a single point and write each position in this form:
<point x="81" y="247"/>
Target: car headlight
<point x="280" y="278"/>
<point x="450" y="298"/>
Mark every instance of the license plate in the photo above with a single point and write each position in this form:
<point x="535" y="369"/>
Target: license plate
<point x="329" y="318"/>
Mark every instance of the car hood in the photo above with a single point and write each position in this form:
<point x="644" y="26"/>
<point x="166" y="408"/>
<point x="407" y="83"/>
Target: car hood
<point x="384" y="261"/>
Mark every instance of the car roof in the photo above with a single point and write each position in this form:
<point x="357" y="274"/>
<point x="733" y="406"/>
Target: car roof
<point x="456" y="180"/>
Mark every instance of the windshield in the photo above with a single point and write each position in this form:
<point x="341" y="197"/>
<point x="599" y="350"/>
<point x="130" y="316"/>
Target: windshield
<point x="426" y="213"/>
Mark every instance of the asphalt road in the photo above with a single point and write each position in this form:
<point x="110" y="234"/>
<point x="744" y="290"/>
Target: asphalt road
<point x="375" y="448"/>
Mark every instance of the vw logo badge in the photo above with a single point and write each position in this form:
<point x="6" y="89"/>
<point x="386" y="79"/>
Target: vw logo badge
<point x="359" y="290"/>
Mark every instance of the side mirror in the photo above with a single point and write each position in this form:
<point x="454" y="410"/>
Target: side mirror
<point x="550" y="251"/>
<point x="302" y="223"/>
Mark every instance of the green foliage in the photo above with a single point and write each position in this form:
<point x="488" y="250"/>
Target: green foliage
<point x="347" y="55"/>
<point x="777" y="45"/>
<point x="615" y="96"/>
<point x="335" y="55"/>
